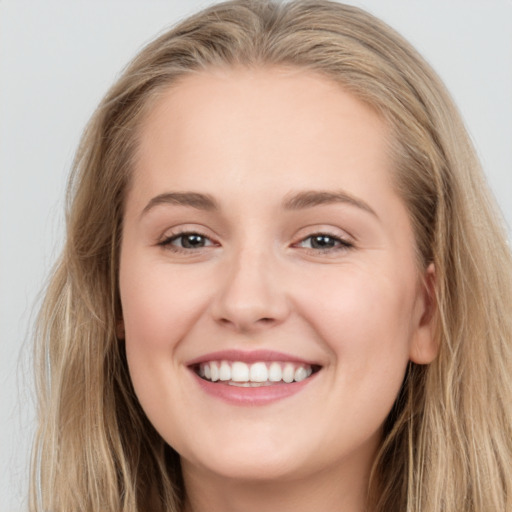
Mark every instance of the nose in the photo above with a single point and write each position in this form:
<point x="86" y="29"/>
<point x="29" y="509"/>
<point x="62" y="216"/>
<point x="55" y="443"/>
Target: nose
<point x="251" y="295"/>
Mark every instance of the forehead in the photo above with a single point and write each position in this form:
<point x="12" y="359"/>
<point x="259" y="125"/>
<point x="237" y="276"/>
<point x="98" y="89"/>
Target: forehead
<point x="284" y="118"/>
<point x="206" y="95"/>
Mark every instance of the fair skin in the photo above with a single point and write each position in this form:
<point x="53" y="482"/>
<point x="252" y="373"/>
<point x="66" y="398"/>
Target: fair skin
<point x="262" y="226"/>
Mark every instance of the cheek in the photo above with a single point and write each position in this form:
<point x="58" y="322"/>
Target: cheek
<point x="146" y="313"/>
<point x="156" y="318"/>
<point x="159" y="308"/>
<point x="364" y="318"/>
<point x="159" y="304"/>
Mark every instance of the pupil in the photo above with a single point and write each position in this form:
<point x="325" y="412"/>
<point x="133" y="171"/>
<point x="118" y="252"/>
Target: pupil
<point x="192" y="241"/>
<point x="322" y="242"/>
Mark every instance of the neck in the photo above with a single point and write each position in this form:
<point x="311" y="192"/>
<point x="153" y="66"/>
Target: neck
<point x="330" y="490"/>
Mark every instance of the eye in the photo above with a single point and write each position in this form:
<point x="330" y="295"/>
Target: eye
<point x="324" y="242"/>
<point x="187" y="241"/>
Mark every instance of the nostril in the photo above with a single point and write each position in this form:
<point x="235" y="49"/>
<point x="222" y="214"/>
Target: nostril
<point x="247" y="325"/>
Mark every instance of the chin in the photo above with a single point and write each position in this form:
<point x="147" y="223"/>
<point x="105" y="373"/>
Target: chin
<point x="257" y="465"/>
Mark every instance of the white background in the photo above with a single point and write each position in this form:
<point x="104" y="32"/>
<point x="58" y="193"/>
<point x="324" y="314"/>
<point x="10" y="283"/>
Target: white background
<point x="57" y="59"/>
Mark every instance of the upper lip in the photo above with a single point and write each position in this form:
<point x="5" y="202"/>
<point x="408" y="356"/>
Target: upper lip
<point x="249" y="356"/>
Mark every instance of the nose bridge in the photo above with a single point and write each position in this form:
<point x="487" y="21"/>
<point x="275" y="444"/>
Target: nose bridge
<point x="251" y="294"/>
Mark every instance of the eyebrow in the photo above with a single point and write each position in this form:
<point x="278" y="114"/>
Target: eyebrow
<point x="311" y="198"/>
<point x="191" y="199"/>
<point x="297" y="201"/>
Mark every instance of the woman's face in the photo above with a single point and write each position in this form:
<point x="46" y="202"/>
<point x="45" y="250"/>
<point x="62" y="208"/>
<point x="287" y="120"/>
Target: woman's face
<point x="264" y="243"/>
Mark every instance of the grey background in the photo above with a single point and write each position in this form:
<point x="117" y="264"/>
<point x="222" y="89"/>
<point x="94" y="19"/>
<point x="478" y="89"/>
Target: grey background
<point x="57" y="59"/>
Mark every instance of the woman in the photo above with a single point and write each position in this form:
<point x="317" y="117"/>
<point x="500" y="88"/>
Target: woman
<point x="279" y="249"/>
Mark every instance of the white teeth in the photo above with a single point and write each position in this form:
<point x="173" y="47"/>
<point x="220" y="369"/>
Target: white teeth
<point x="249" y="384"/>
<point x="225" y="371"/>
<point x="255" y="374"/>
<point x="275" y="373"/>
<point x="239" y="372"/>
<point x="300" y="374"/>
<point x="288" y="372"/>
<point x="214" y="367"/>
<point x="258" y="372"/>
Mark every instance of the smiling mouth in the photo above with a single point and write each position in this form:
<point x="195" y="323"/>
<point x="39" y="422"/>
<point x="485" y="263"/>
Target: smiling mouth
<point x="257" y="374"/>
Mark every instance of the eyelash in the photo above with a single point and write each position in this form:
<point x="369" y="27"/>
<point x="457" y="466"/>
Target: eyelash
<point x="168" y="241"/>
<point x="340" y="244"/>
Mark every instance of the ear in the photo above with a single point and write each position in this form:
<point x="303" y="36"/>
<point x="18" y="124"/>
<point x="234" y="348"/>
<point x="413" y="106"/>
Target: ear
<point x="120" y="333"/>
<point x="424" y="346"/>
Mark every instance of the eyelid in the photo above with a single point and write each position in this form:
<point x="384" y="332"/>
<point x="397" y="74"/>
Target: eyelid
<point x="325" y="229"/>
<point x="173" y="238"/>
<point x="165" y="241"/>
<point x="342" y="243"/>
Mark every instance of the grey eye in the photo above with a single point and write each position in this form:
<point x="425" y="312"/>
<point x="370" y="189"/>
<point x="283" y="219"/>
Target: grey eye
<point x="187" y="241"/>
<point x="190" y="241"/>
<point x="324" y="242"/>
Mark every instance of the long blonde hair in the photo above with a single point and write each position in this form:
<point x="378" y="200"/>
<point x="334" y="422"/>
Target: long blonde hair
<point x="448" y="440"/>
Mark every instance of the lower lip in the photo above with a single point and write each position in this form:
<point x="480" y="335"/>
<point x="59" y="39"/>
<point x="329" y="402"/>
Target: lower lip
<point x="252" y="395"/>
